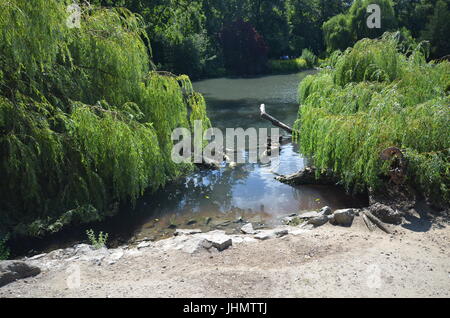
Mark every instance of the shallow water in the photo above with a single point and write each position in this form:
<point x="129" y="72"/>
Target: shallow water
<point x="230" y="196"/>
<point x="226" y="198"/>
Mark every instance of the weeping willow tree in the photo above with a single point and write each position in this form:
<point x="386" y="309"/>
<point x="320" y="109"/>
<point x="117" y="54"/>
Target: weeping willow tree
<point x="376" y="98"/>
<point x="85" y="122"/>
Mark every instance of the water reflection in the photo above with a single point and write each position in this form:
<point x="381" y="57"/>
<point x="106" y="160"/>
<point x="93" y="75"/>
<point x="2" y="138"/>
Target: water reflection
<point x="208" y="199"/>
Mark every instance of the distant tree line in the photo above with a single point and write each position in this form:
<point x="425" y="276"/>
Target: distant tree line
<point x="204" y="38"/>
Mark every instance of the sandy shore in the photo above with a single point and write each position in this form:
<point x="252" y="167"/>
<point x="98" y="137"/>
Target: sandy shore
<point x="328" y="261"/>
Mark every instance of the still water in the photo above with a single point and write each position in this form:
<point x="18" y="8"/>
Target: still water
<point x="226" y="198"/>
<point x="219" y="199"/>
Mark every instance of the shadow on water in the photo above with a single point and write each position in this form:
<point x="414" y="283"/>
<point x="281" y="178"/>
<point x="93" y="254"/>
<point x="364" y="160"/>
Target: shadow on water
<point x="225" y="198"/>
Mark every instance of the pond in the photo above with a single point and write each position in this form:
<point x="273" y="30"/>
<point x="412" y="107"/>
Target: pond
<point x="228" y="197"/>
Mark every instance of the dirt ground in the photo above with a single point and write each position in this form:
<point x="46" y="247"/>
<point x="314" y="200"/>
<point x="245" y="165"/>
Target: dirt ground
<point x="329" y="261"/>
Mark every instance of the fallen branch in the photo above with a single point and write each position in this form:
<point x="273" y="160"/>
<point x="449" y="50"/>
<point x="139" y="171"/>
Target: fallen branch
<point x="308" y="176"/>
<point x="369" y="223"/>
<point x="377" y="222"/>
<point x="273" y="120"/>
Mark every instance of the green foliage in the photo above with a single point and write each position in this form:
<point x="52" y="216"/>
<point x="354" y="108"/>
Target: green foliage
<point x="376" y="98"/>
<point x="438" y="29"/>
<point x="84" y="121"/>
<point x="97" y="242"/>
<point x="344" y="30"/>
<point x="369" y="61"/>
<point x="4" y="250"/>
<point x="358" y="19"/>
<point x="331" y="60"/>
<point x="287" y="66"/>
<point x="338" y="33"/>
<point x="309" y="57"/>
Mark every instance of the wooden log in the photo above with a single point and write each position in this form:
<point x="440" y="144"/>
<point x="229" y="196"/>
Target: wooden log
<point x="273" y="120"/>
<point x="377" y="222"/>
<point x="369" y="223"/>
<point x="307" y="176"/>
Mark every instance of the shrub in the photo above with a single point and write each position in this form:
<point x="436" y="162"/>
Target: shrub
<point x="309" y="57"/>
<point x="84" y="120"/>
<point x="287" y="66"/>
<point x="378" y="98"/>
<point x="97" y="242"/>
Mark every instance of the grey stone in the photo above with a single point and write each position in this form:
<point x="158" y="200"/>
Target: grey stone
<point x="143" y="245"/>
<point x="269" y="234"/>
<point x="318" y="221"/>
<point x="343" y="217"/>
<point x="11" y="271"/>
<point x="115" y="256"/>
<point x="326" y="210"/>
<point x="36" y="257"/>
<point x="248" y="229"/>
<point x="218" y="239"/>
<point x="308" y="215"/>
<point x="187" y="232"/>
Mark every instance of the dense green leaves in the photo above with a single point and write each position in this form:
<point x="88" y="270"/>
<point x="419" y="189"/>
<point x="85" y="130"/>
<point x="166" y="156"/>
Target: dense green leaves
<point x="374" y="99"/>
<point x="84" y="121"/>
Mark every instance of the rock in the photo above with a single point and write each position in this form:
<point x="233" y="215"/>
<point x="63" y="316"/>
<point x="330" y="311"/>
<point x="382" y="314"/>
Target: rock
<point x="269" y="234"/>
<point x="191" y="222"/>
<point x="208" y="220"/>
<point x="288" y="219"/>
<point x="281" y="232"/>
<point x="342" y="217"/>
<point x="187" y="232"/>
<point x="218" y="239"/>
<point x="308" y="215"/>
<point x="36" y="257"/>
<point x="14" y="270"/>
<point x="143" y="245"/>
<point x="326" y="210"/>
<point x="195" y="245"/>
<point x="248" y="229"/>
<point x="318" y="221"/>
<point x="115" y="256"/>
<point x="292" y="215"/>
<point x="80" y="249"/>
<point x="96" y="256"/>
<point x="172" y="226"/>
<point x="386" y="214"/>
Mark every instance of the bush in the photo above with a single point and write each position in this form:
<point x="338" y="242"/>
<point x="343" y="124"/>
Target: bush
<point x="337" y="33"/>
<point x="287" y="66"/>
<point x="97" y="242"/>
<point x="84" y="121"/>
<point x="378" y="98"/>
<point x="309" y="57"/>
<point x="369" y="61"/>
